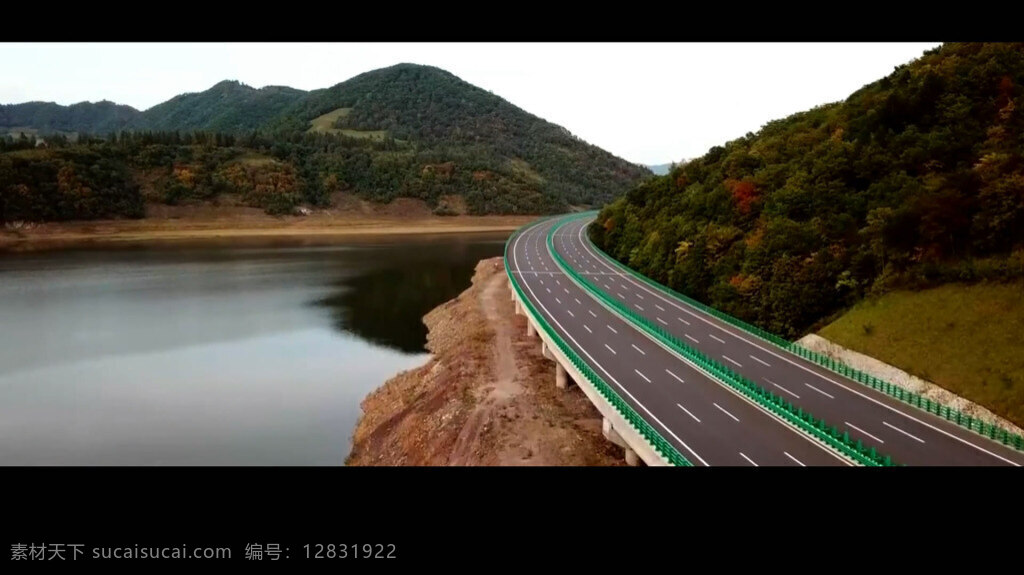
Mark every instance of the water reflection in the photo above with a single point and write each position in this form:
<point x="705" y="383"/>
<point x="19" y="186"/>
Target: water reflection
<point x="224" y="354"/>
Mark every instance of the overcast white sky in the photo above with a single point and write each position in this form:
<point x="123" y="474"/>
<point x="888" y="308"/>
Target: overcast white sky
<point x="648" y="103"/>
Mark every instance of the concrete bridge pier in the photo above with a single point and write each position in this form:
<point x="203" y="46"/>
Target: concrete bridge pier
<point x="545" y="351"/>
<point x="519" y="307"/>
<point x="530" y="332"/>
<point x="561" y="378"/>
<point x="611" y="435"/>
<point x="512" y="290"/>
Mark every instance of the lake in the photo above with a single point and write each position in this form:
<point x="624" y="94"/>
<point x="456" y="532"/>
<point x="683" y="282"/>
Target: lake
<point x="213" y="352"/>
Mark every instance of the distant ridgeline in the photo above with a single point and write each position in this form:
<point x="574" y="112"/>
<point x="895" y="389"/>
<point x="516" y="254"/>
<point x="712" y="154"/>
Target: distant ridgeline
<point x="914" y="180"/>
<point x="405" y="131"/>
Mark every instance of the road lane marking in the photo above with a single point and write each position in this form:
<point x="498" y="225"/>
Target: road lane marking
<point x="592" y="312"/>
<point x="690" y="338"/>
<point x="611" y="328"/>
<point x="559" y="301"/>
<point x="620" y="295"/>
<point x="820" y="391"/>
<point x="675" y="376"/>
<point x="638" y="307"/>
<point x="729" y="359"/>
<point x="852" y="426"/>
<point x="749" y="459"/>
<point x="578" y="300"/>
<point x="718" y="339"/>
<point x="794" y="459"/>
<point x="683" y="320"/>
<point x="659" y="307"/>
<point x="793" y="362"/>
<point x="541" y="282"/>
<point x="782" y="388"/>
<point x="663" y="322"/>
<point x="725" y="412"/>
<point x="566" y="290"/>
<point x="642" y="375"/>
<point x="761" y="361"/>
<point x="587" y="328"/>
<point x="688" y="412"/>
<point x="637" y="295"/>
<point x="549" y="289"/>
<point x="558" y="282"/>
<point x="903" y="432"/>
<point x="610" y="349"/>
<point x="569" y="311"/>
<point x="638" y="349"/>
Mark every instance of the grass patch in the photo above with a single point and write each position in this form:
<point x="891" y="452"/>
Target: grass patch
<point x="325" y="123"/>
<point x="965" y="338"/>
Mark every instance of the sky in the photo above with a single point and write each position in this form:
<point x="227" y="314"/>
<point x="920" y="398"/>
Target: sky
<point x="649" y="103"/>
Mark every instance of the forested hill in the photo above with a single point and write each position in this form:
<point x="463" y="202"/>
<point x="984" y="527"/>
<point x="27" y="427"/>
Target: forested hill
<point x="915" y="179"/>
<point x="404" y="131"/>
<point x="229" y="106"/>
<point x="48" y="117"/>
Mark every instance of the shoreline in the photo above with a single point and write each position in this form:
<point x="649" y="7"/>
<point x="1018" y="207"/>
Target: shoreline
<point x="486" y="396"/>
<point x="63" y="234"/>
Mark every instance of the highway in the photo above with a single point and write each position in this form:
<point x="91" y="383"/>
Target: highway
<point x="909" y="435"/>
<point x="709" y="423"/>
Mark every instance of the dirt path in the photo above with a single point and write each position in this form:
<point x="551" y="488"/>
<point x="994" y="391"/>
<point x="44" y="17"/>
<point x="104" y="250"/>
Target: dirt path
<point x="505" y="374"/>
<point x="487" y="397"/>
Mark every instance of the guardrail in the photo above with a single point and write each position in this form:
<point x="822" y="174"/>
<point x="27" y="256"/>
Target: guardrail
<point x="776" y="404"/>
<point x="659" y="443"/>
<point x="968" y="422"/>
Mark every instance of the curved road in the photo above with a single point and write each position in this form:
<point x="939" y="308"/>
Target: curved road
<point x="909" y="435"/>
<point x="706" y="421"/>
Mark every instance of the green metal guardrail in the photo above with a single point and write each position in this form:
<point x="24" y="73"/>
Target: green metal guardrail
<point x="659" y="443"/>
<point x="776" y="404"/>
<point x="974" y="424"/>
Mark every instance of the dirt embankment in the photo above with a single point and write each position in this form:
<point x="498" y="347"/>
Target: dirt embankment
<point x="486" y="397"/>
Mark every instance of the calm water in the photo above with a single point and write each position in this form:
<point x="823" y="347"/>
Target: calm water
<point x="212" y="353"/>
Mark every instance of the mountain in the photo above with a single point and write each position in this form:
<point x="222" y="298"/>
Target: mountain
<point x="660" y="169"/>
<point x="405" y="131"/>
<point x="47" y="117"/>
<point x="914" y="180"/>
<point x="229" y="106"/>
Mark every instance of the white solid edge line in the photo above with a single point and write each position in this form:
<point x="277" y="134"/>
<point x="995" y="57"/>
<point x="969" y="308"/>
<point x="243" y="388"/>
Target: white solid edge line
<point x="599" y="366"/>
<point x="785" y="425"/>
<point x="790" y="361"/>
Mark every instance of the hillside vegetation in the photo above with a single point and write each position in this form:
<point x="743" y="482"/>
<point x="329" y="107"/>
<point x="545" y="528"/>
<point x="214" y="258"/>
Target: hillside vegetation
<point x="915" y="180"/>
<point x="407" y="131"/>
<point x="947" y="335"/>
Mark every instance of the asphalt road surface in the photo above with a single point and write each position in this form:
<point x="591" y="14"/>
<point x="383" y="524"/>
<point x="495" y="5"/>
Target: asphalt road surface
<point x="709" y="423"/>
<point x="909" y="435"/>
